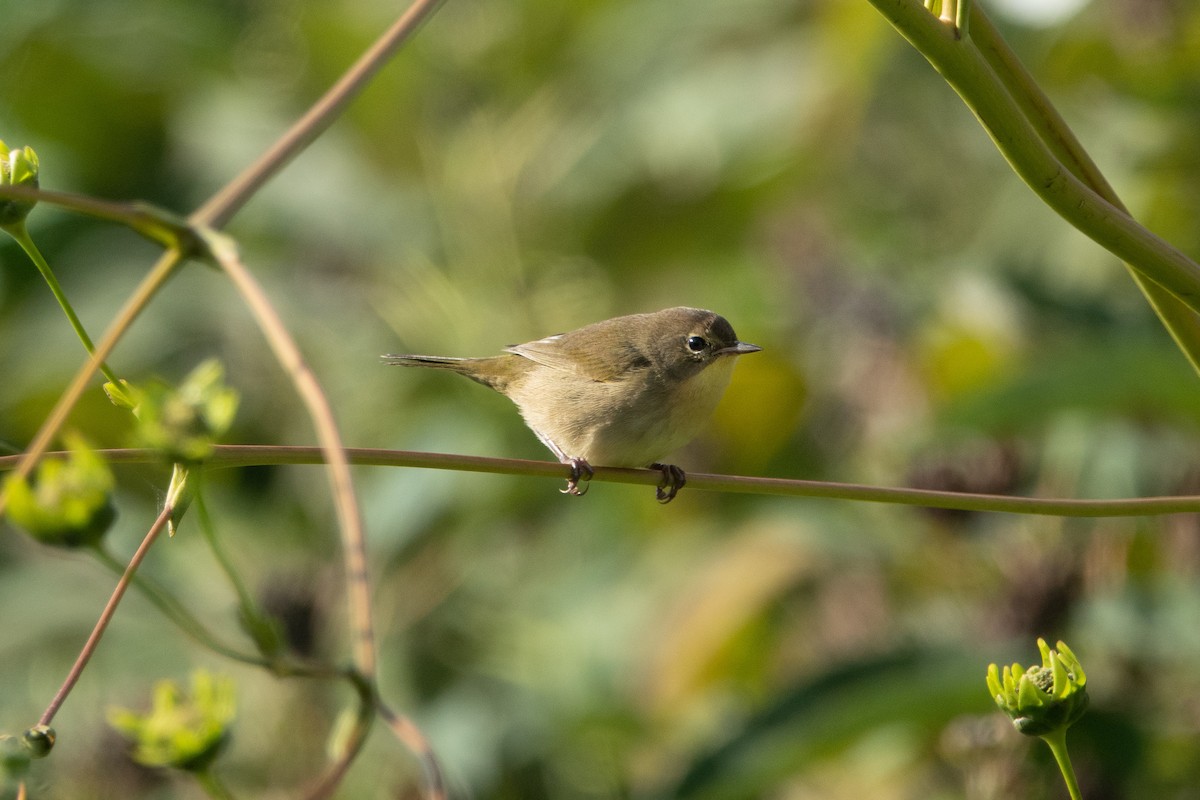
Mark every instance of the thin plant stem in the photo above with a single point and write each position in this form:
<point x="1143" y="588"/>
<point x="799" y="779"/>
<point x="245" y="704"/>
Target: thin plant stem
<point x="137" y="302"/>
<point x="970" y="74"/>
<point x="352" y="741"/>
<point x="209" y="530"/>
<point x="106" y="616"/>
<point x="1181" y="322"/>
<point x="345" y="501"/>
<point x="338" y="467"/>
<point x="21" y="234"/>
<point x="173" y="610"/>
<point x="1057" y="742"/>
<point x="412" y="738"/>
<point x="229" y="200"/>
<point x="215" y="213"/>
<point x="212" y="785"/>
<point x="241" y="455"/>
<point x="218" y="210"/>
<point x="156" y="224"/>
<point x="150" y="222"/>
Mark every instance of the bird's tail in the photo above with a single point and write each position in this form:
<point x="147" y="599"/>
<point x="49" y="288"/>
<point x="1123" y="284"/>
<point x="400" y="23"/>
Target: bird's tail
<point x="487" y="371"/>
<point x="437" y="362"/>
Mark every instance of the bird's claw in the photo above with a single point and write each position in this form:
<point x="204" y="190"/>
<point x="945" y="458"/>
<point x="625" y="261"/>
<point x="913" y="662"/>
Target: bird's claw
<point x="580" y="469"/>
<point x="673" y="480"/>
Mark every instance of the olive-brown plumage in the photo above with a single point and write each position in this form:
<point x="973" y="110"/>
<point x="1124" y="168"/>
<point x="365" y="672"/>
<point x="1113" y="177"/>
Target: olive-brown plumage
<point x="621" y="393"/>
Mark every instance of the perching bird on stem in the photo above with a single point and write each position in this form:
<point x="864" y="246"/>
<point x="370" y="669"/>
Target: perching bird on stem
<point x="620" y="393"/>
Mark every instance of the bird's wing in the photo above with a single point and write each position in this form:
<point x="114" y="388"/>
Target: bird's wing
<point x="585" y="356"/>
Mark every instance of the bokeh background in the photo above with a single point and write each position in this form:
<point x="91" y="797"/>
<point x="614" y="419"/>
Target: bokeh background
<point x="528" y="167"/>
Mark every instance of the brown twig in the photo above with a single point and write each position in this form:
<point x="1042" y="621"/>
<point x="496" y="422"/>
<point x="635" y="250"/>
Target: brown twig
<point x="352" y="741"/>
<point x="229" y="200"/>
<point x="106" y="616"/>
<point x="412" y="738"/>
<point x="215" y="213"/>
<point x="332" y="450"/>
<point x="243" y="455"/>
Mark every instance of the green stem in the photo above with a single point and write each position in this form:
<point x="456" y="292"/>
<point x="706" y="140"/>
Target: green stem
<point x="209" y="530"/>
<point x="19" y="232"/>
<point x="962" y="17"/>
<point x="970" y="74"/>
<point x="1057" y="742"/>
<point x="212" y="785"/>
<point x="173" y="610"/>
<point x="263" y="630"/>
<point x="1181" y="322"/>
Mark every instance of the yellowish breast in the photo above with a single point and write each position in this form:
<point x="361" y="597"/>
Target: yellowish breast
<point x="698" y="396"/>
<point x="669" y="425"/>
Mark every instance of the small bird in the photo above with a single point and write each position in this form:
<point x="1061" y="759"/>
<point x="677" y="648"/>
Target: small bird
<point x="620" y="393"/>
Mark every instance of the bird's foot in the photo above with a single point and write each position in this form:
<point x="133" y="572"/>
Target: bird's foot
<point x="673" y="480"/>
<point x="580" y="470"/>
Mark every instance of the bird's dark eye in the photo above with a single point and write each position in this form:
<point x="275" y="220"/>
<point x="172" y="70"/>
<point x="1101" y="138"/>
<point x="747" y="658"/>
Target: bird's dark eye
<point x="696" y="343"/>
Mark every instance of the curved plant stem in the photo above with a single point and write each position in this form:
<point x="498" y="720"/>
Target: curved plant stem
<point x="321" y="414"/>
<point x="153" y="223"/>
<point x="351" y="742"/>
<point x="412" y="738"/>
<point x="1181" y="322"/>
<point x="156" y="224"/>
<point x="21" y="234"/>
<point x="1058" y="746"/>
<point x="215" y="213"/>
<point x="967" y="70"/>
<point x="248" y="607"/>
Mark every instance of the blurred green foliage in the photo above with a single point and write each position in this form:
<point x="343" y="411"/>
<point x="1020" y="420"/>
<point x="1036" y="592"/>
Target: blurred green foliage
<point x="528" y="167"/>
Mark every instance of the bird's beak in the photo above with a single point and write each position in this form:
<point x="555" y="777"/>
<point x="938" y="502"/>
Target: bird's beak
<point x="739" y="349"/>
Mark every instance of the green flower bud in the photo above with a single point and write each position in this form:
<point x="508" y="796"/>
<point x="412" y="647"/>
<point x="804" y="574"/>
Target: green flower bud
<point x="184" y="422"/>
<point x="121" y="393"/>
<point x="70" y="501"/>
<point x="39" y="740"/>
<point x="180" y="493"/>
<point x="17" y="168"/>
<point x="179" y="731"/>
<point x="1041" y="700"/>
